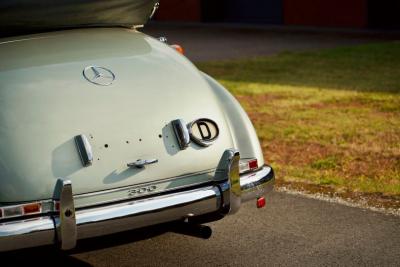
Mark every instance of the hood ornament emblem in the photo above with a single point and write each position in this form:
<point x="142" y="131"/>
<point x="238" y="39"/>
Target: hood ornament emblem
<point x="99" y="75"/>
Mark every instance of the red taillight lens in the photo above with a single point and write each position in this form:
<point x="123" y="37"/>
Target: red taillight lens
<point x="253" y="164"/>
<point x="32" y="208"/>
<point x="247" y="165"/>
<point x="261" y="202"/>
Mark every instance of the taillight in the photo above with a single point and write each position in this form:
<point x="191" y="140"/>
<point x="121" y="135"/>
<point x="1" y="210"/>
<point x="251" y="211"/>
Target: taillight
<point x="28" y="209"/>
<point x="247" y="165"/>
<point x="12" y="211"/>
<point x="178" y="48"/>
<point x="32" y="208"/>
<point x="261" y="202"/>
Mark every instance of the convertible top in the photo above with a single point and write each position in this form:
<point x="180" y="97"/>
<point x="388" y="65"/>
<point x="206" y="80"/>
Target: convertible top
<point x="29" y="16"/>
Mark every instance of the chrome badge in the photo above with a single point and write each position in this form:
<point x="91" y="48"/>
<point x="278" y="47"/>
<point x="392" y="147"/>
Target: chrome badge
<point x="203" y="132"/>
<point x="98" y="75"/>
<point x="141" y="190"/>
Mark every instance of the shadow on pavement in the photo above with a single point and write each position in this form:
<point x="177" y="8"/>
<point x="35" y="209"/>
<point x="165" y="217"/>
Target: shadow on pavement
<point x="44" y="256"/>
<point x="51" y="256"/>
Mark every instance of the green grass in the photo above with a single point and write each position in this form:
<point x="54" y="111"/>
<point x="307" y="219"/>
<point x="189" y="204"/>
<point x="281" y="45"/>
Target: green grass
<point x="330" y="117"/>
<point x="373" y="67"/>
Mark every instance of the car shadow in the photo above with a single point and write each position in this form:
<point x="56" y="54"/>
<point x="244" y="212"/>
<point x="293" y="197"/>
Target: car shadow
<point x="115" y="176"/>
<point x="122" y="238"/>
<point x="65" y="159"/>
<point x="43" y="256"/>
<point x="52" y="256"/>
<point x="169" y="140"/>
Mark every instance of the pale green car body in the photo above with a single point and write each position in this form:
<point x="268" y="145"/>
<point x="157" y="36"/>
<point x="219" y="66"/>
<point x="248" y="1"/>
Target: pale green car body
<point x="97" y="130"/>
<point x="45" y="101"/>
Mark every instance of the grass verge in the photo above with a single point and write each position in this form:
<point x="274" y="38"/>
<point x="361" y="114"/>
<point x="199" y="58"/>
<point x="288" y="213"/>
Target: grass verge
<point x="329" y="118"/>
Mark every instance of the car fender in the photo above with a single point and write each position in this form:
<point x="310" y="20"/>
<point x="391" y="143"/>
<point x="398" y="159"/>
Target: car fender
<point x="242" y="130"/>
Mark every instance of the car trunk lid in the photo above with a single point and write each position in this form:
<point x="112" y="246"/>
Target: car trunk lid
<point x="46" y="101"/>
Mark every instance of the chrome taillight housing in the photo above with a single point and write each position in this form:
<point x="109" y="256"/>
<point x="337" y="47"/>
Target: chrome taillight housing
<point x="248" y="165"/>
<point x="27" y="209"/>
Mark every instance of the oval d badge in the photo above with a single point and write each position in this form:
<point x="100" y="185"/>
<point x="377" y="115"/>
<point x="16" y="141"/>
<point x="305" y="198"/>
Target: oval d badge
<point x="203" y="132"/>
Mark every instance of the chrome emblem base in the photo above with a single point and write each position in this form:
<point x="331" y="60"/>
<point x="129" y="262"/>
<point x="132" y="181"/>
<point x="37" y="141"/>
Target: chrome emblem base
<point x="203" y="132"/>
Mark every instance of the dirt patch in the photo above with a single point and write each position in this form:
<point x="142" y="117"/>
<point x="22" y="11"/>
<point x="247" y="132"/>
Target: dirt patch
<point x="333" y="105"/>
<point x="370" y="165"/>
<point x="295" y="153"/>
<point x="371" y="156"/>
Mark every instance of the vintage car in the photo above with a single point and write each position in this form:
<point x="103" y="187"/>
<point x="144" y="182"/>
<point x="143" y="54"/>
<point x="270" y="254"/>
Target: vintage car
<point x="104" y="129"/>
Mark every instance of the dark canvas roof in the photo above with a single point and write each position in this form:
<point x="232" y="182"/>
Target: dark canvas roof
<point x="17" y="16"/>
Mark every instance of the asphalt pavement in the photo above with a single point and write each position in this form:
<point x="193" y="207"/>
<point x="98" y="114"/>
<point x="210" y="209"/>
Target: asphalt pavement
<point x="291" y="230"/>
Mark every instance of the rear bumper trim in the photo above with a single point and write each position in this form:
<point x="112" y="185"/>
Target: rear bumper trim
<point x="257" y="184"/>
<point x="112" y="218"/>
<point x="133" y="214"/>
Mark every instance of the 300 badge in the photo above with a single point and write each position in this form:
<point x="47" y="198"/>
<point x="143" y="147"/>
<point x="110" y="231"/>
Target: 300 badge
<point x="141" y="190"/>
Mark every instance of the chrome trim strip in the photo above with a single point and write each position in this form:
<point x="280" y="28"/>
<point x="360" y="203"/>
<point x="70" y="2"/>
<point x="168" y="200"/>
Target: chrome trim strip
<point x="149" y="195"/>
<point x="123" y="194"/>
<point x="209" y="171"/>
<point x="25" y="234"/>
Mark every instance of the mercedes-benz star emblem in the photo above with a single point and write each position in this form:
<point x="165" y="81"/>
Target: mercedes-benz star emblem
<point x="98" y="75"/>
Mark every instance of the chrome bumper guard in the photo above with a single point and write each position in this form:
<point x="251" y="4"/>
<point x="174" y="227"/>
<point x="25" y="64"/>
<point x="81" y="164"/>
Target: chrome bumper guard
<point x="225" y="197"/>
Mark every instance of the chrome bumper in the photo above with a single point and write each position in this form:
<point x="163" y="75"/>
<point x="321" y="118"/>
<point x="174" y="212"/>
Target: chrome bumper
<point x="222" y="197"/>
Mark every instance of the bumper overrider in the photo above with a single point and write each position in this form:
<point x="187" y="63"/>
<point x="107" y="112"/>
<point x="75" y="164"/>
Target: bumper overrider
<point x="223" y="196"/>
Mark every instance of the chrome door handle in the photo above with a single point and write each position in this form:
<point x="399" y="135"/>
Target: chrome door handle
<point x="140" y="163"/>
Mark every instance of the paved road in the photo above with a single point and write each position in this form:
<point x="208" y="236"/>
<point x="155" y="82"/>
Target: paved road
<point x="211" y="42"/>
<point x="291" y="230"/>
